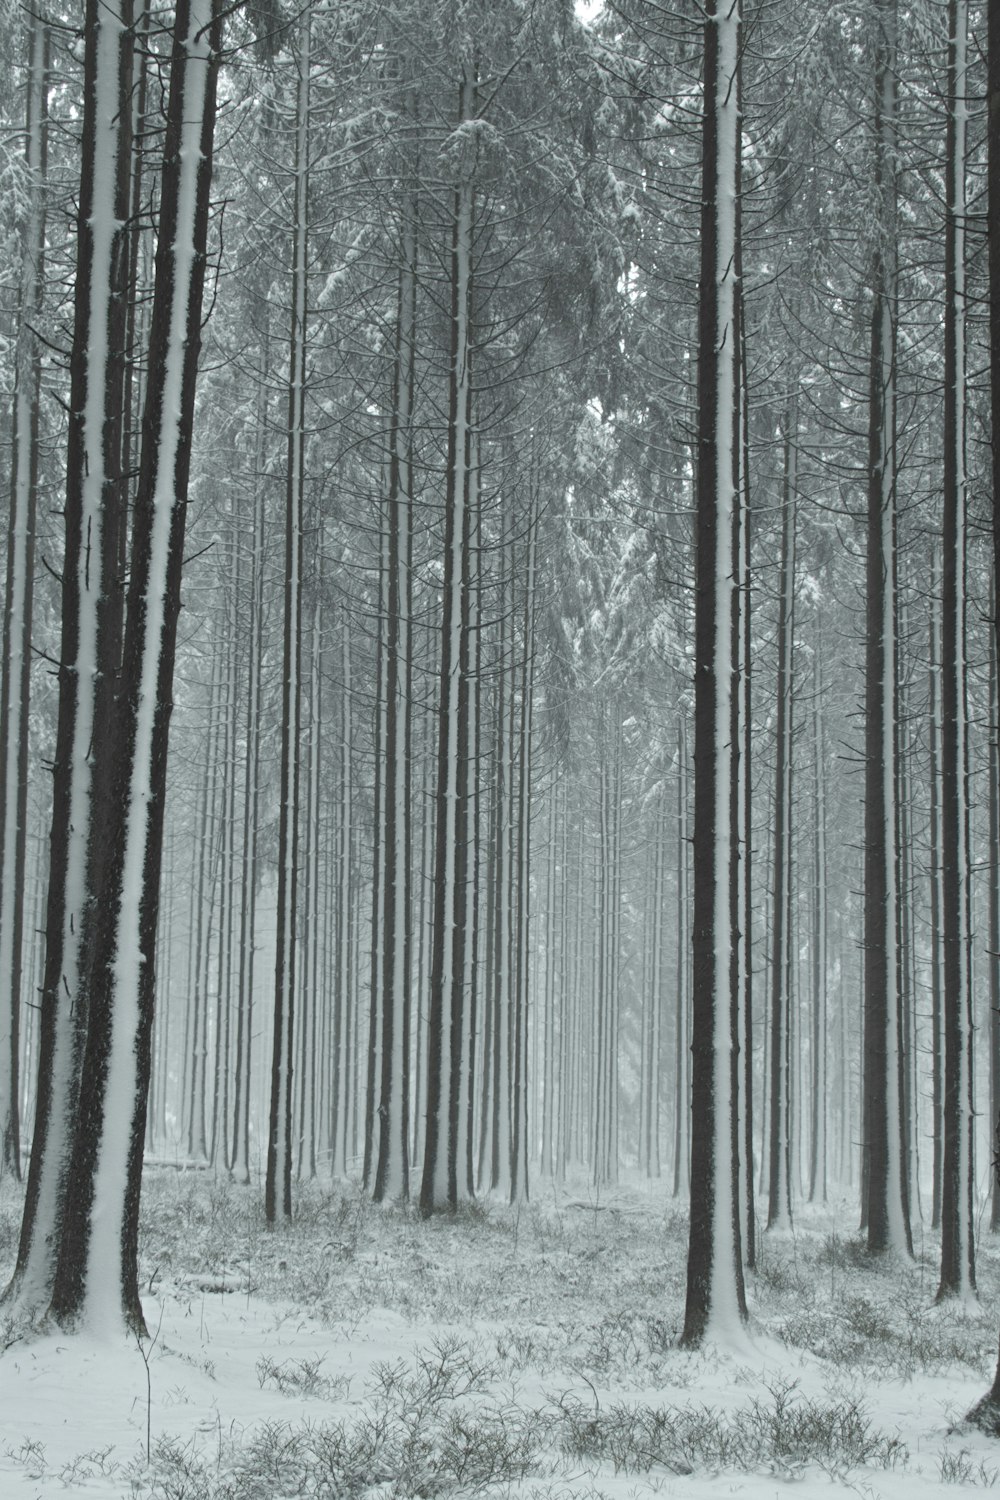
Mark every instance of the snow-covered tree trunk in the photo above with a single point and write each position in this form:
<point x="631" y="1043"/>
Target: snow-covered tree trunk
<point x="682" y="1104"/>
<point x="219" y="1150"/>
<point x="716" y="1303"/>
<point x="884" y="1192"/>
<point x="818" y="1048"/>
<point x="471" y="838"/>
<point x="934" y="880"/>
<point x="519" y="1151"/>
<point x="958" y="1275"/>
<point x="278" y="1176"/>
<point x="779" y="1208"/>
<point x="15" y="665"/>
<point x="441" y="1182"/>
<point x="342" y="1091"/>
<point x="993" y="930"/>
<point x="392" y="1084"/>
<point x="986" y="1413"/>
<point x="744" y="811"/>
<point x="604" y="1151"/>
<point x="197" y="1136"/>
<point x="96" y="1279"/>
<point x="251" y="805"/>
<point x="90" y="642"/>
<point x="652" y="1000"/>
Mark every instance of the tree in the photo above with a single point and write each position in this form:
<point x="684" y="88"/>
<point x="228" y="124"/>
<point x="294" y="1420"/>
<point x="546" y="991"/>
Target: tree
<point x="15" y="666"/>
<point x="278" y="1180"/>
<point x="90" y="643"/>
<point x="958" y="1271"/>
<point x="885" y="1188"/>
<point x="986" y="1412"/>
<point x="779" y="1172"/>
<point x="88" y="1270"/>
<point x="445" y="1179"/>
<point x="715" y="1295"/>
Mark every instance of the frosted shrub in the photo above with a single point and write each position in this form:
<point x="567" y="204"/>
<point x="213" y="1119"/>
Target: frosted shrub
<point x="783" y="1435"/>
<point x="301" y="1377"/>
<point x="961" y="1468"/>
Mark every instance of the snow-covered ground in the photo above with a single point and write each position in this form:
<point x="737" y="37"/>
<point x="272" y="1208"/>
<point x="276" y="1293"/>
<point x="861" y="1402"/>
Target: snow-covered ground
<point x="364" y="1352"/>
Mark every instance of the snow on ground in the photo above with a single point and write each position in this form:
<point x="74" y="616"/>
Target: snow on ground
<point x="363" y="1352"/>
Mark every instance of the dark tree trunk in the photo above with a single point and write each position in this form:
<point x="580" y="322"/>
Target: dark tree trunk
<point x="779" y="1209"/>
<point x="90" y="646"/>
<point x="441" y="1183"/>
<point x="715" y="1293"/>
<point x="885" y="1207"/>
<point x="278" y="1177"/>
<point x="97" y="1272"/>
<point x="958" y="1269"/>
<point x="15" y="665"/>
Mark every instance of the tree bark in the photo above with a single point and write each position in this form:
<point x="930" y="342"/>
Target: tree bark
<point x="958" y="1269"/>
<point x="278" y="1177"/>
<point x="96" y="1279"/>
<point x="716" y="1302"/>
<point x="884" y="1185"/>
<point x="15" y="666"/>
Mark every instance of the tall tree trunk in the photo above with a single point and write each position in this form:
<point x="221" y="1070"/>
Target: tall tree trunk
<point x="519" y="1083"/>
<point x="682" y="1104"/>
<point x="342" y="1093"/>
<point x="15" y="666"/>
<point x="715" y="1295"/>
<point x="885" y="1197"/>
<point x="748" y="1212"/>
<point x="278" y="1177"/>
<point x="441" y="1183"/>
<point x="97" y="1274"/>
<point x="779" y="1209"/>
<point x="937" y="978"/>
<point x="393" y="1084"/>
<point x="993" y="952"/>
<point x="958" y="1269"/>
<point x="818" y="1154"/>
<point x="251" y="805"/>
<point x="986" y="1413"/>
<point x="90" y="647"/>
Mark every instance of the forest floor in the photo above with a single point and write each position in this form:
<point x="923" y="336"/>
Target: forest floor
<point x="362" y="1352"/>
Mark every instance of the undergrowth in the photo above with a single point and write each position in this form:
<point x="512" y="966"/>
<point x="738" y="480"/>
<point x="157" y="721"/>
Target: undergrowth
<point x="556" y="1361"/>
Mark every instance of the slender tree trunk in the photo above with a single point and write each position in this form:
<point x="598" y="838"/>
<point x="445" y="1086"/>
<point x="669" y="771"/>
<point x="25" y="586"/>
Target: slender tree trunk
<point x="278" y="1178"/>
<point x="715" y="1295"/>
<point x="986" y="1413"/>
<point x="779" y="1210"/>
<point x="441" y="1183"/>
<point x="994" y="916"/>
<point x="15" y="666"/>
<point x="885" y="1197"/>
<point x="748" y="1213"/>
<point x="392" y="1168"/>
<point x="341" y="1103"/>
<point x="937" y="979"/>
<point x="251" y="807"/>
<point x="818" y="1153"/>
<point x="958" y="1270"/>
<point x="682" y="1103"/>
<point x="519" y="1090"/>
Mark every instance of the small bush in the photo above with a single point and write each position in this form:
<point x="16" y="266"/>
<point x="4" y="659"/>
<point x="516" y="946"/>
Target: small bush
<point x="962" y="1468"/>
<point x="784" y="1434"/>
<point x="302" y="1377"/>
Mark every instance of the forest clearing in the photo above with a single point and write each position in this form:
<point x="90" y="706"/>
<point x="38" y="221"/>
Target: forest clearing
<point x="526" y="1352"/>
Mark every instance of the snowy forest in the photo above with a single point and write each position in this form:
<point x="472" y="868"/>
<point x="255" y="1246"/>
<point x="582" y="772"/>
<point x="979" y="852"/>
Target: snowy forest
<point x="499" y="724"/>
